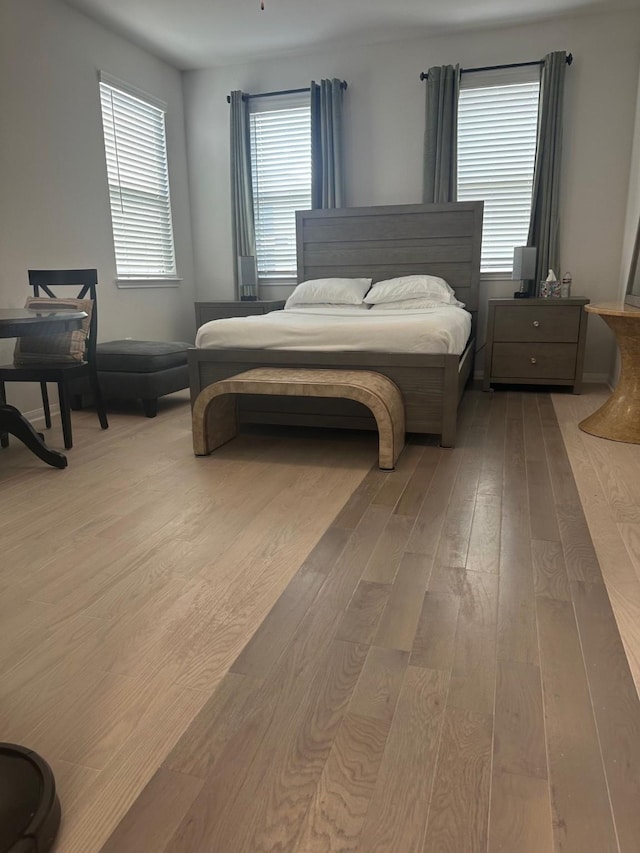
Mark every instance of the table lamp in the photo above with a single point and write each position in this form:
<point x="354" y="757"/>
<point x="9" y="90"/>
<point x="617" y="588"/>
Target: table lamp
<point x="524" y="270"/>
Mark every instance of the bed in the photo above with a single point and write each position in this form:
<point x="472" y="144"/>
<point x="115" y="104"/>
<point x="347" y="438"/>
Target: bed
<point x="380" y="243"/>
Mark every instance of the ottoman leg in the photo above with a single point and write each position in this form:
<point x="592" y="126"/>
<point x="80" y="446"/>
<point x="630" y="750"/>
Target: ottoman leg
<point x="150" y="406"/>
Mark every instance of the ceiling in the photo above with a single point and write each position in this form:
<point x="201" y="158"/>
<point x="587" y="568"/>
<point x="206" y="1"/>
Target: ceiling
<point x="204" y="33"/>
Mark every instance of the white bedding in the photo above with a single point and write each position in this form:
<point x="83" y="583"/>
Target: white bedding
<point x="344" y="328"/>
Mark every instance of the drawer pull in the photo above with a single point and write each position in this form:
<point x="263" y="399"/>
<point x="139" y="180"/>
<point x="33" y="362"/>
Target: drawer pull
<point x="533" y="360"/>
<point x="536" y="323"/>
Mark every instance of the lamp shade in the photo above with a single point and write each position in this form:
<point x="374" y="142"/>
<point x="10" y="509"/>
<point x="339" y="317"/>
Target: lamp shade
<point x="524" y="263"/>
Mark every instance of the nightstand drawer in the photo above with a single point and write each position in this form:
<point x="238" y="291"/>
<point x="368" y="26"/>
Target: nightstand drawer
<point x="534" y="361"/>
<point x="547" y="323"/>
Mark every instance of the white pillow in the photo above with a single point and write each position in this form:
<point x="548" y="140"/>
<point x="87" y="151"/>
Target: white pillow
<point x="410" y="287"/>
<point x="334" y="291"/>
<point x="416" y="304"/>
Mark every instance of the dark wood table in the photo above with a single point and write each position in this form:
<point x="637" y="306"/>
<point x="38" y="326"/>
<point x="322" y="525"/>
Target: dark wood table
<point x="14" y="323"/>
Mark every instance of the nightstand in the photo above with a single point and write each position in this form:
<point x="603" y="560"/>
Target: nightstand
<point x="535" y="342"/>
<point x="206" y="311"/>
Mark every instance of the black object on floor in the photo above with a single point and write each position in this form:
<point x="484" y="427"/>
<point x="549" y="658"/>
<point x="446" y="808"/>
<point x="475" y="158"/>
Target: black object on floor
<point x="29" y="805"/>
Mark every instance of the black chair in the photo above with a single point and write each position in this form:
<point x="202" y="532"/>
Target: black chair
<point x="63" y="372"/>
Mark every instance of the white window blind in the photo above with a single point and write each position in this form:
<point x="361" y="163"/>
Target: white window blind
<point x="497" y="130"/>
<point x="281" y="175"/>
<point x="136" y="152"/>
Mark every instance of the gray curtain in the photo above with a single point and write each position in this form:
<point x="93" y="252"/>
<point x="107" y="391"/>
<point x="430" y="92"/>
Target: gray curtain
<point x="544" y="227"/>
<point x="242" y="219"/>
<point x="441" y="135"/>
<point x="327" y="169"/>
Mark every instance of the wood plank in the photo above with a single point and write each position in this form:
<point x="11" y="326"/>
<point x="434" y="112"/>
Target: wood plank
<point x="459" y="811"/>
<point x="517" y="629"/>
<point x="226" y="711"/>
<point x="395" y="482"/>
<point x="580" y="557"/>
<point x="622" y="493"/>
<point x="276" y="631"/>
<point x="453" y="544"/>
<point x="491" y="472"/>
<point x="447" y="579"/>
<point x="350" y="565"/>
<point x="396" y="816"/>
<point x="399" y="619"/>
<point x="377" y="690"/>
<point x="351" y="514"/>
<point x="519" y="741"/>
<point x="474" y="664"/>
<point x="286" y="790"/>
<point x="306" y="698"/>
<point x="520" y="815"/>
<point x="414" y="493"/>
<point x="426" y="531"/>
<point x="71" y="780"/>
<point x="582" y="817"/>
<point x="543" y="519"/>
<point x="434" y="642"/>
<point x="484" y="542"/>
<point x="549" y="571"/>
<point x="616" y="706"/>
<point x="103" y="804"/>
<point x="360" y="621"/>
<point x="630" y="534"/>
<point x="341" y="801"/>
<point x="155" y="814"/>
<point x="385" y="559"/>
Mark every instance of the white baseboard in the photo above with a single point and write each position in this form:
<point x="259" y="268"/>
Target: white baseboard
<point x="37" y="415"/>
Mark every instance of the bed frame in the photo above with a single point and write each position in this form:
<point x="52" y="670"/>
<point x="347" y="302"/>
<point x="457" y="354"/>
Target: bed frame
<point x="379" y="243"/>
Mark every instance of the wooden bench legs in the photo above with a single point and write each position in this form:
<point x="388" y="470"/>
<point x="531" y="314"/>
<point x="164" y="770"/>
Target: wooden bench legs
<point x="215" y="422"/>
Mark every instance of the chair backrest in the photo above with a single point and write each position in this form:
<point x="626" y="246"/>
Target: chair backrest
<point x="84" y="281"/>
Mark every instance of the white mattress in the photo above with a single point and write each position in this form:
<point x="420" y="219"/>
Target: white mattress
<point x="352" y="328"/>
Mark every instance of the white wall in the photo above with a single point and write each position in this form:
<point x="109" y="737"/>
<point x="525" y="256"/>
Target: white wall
<point x="633" y="203"/>
<point x="632" y="223"/>
<point x="54" y="205"/>
<point x="384" y="137"/>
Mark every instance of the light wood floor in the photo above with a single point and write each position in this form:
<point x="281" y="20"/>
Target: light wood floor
<point x="607" y="474"/>
<point x="130" y="581"/>
<point x="443" y="672"/>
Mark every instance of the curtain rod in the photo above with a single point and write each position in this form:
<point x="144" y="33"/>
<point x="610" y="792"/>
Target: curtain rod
<point x="343" y="83"/>
<point x="425" y="76"/>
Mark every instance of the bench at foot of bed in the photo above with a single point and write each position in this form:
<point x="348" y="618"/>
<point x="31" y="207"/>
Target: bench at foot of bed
<point x="215" y="419"/>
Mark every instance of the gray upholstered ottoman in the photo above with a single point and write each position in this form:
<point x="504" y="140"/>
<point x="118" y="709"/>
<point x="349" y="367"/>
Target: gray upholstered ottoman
<point x="143" y="370"/>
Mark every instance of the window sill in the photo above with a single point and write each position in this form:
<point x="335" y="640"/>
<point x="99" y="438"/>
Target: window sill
<point x="129" y="283"/>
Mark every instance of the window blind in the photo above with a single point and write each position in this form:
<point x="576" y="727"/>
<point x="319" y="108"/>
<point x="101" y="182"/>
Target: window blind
<point x="136" y="154"/>
<point x="281" y="175"/>
<point x="497" y="131"/>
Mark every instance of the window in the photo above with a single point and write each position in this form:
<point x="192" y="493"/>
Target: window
<point x="497" y="130"/>
<point x="281" y="175"/>
<point x="136" y="152"/>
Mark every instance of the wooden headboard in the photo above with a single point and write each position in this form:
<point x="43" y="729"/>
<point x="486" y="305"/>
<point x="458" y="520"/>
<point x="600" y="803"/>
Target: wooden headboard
<point x="394" y="240"/>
